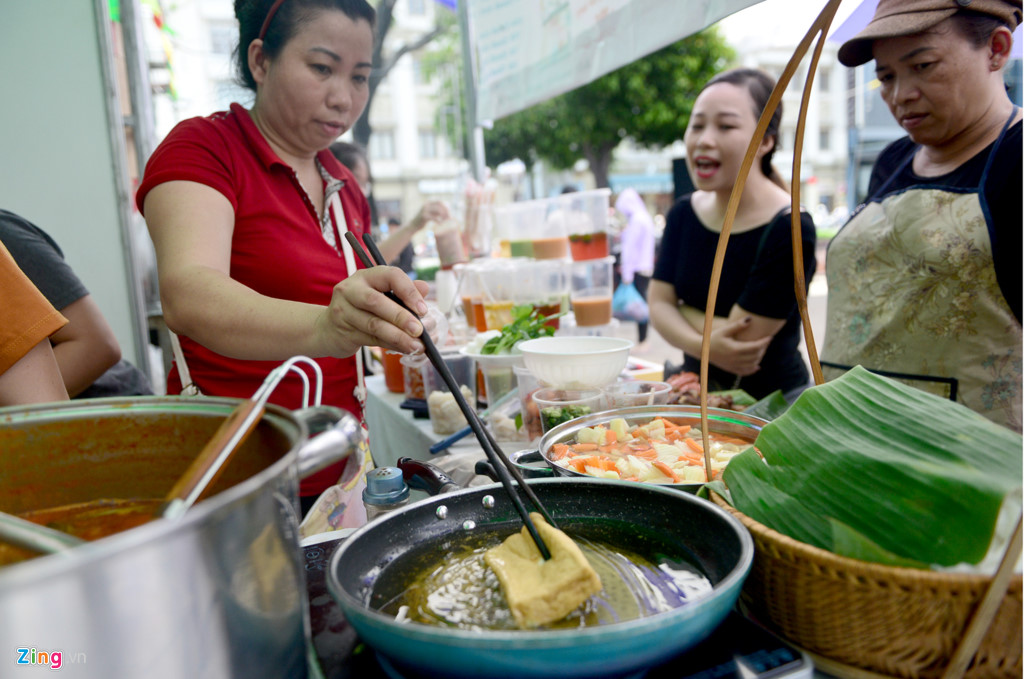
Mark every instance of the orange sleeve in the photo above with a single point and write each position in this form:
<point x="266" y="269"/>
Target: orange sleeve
<point x="26" y="318"/>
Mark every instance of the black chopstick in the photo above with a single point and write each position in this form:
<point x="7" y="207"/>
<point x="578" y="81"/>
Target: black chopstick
<point x="457" y="393"/>
<point x="450" y="381"/>
<point x="497" y="457"/>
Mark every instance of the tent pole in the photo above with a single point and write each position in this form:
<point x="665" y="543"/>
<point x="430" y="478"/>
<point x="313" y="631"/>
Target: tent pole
<point x="475" y="137"/>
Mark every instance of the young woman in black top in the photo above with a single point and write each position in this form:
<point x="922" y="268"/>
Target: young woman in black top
<point x="756" y="327"/>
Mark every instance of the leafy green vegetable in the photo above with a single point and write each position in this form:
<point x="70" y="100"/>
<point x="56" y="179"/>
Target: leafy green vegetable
<point x="526" y="324"/>
<point x="870" y="468"/>
<point x="556" y="415"/>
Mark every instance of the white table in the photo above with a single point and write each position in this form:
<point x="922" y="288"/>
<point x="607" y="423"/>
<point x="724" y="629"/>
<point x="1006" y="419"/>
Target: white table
<point x="395" y="433"/>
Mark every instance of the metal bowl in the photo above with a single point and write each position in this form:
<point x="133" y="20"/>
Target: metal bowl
<point x="728" y="422"/>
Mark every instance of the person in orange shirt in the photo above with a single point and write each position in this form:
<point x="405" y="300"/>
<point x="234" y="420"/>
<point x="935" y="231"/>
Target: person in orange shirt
<point x="28" y="369"/>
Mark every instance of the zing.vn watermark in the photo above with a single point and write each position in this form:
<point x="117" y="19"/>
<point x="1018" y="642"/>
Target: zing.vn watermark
<point x="53" y="659"/>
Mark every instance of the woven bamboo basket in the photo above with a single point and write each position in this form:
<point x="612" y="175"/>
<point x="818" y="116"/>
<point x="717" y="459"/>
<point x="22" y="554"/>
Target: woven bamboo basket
<point x="898" y="622"/>
<point x="859" y="619"/>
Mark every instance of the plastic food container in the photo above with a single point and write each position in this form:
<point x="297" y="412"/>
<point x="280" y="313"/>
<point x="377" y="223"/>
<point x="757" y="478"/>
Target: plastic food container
<point x="539" y="229"/>
<point x="451" y="249"/>
<point x="515" y="226"/>
<point x="527" y="384"/>
<point x="394" y="378"/>
<point x="422" y="379"/>
<point x="586" y="222"/>
<point x="412" y="373"/>
<point x="445" y="415"/>
<point x="470" y="294"/>
<point x="504" y="283"/>
<point x="558" y="406"/>
<point x="545" y="286"/>
<point x="567" y="328"/>
<point x="636" y="393"/>
<point x="591" y="295"/>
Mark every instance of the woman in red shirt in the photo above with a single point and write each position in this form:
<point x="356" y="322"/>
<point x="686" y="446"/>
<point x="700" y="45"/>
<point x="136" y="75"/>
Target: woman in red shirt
<point x="247" y="210"/>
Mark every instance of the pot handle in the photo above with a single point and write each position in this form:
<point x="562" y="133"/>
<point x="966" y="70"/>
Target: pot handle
<point x="425" y="476"/>
<point x="520" y="459"/>
<point x="334" y="434"/>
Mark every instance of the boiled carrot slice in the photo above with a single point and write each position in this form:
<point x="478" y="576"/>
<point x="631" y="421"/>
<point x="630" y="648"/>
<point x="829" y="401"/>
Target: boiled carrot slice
<point x="666" y="470"/>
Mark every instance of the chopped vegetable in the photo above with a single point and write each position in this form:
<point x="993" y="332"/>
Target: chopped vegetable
<point x="659" y="451"/>
<point x="556" y="415"/>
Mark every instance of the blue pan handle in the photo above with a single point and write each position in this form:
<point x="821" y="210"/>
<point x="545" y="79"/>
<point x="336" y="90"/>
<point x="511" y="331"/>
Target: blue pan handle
<point x="445" y="444"/>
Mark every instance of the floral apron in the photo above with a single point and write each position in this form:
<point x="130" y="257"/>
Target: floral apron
<point x="913" y="295"/>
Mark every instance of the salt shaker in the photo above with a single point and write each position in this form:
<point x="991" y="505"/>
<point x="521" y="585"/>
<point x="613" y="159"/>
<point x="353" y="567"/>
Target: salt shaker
<point x="385" y="491"/>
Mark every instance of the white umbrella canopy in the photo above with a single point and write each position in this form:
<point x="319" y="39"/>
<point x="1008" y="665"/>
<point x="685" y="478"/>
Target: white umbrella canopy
<point x="527" y="51"/>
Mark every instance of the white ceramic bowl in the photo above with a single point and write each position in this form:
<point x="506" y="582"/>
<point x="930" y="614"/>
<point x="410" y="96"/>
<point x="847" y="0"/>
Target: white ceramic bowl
<point x="576" y="362"/>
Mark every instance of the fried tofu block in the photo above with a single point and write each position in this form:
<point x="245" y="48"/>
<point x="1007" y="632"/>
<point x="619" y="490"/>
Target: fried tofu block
<point x="539" y="591"/>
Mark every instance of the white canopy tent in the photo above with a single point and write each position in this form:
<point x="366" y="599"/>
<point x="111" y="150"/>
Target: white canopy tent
<point x="522" y="52"/>
<point x="527" y="51"/>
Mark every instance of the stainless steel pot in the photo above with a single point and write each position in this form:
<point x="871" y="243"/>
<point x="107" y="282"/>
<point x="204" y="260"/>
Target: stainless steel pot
<point x="218" y="592"/>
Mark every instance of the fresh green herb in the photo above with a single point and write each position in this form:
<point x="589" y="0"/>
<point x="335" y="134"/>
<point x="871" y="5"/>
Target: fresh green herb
<point x="526" y="324"/>
<point x="556" y="415"/>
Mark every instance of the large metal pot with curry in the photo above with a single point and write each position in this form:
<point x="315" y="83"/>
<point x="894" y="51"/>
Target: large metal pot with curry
<point x="218" y="592"/>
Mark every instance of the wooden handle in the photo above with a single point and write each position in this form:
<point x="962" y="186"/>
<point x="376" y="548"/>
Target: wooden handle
<point x="213" y="458"/>
<point x="820" y="28"/>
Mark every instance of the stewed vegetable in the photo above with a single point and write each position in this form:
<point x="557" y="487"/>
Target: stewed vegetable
<point x="659" y="451"/>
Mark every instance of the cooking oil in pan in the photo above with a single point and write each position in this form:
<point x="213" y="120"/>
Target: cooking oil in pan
<point x="459" y="590"/>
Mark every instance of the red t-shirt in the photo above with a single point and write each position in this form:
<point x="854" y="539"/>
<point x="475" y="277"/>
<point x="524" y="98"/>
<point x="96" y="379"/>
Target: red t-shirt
<point x="277" y="249"/>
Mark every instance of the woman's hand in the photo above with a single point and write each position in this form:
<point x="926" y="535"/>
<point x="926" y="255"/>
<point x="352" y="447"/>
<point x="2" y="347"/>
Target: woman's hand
<point x="432" y="211"/>
<point x="739" y="357"/>
<point x="361" y="314"/>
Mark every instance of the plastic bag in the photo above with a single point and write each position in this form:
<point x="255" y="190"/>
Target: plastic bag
<point x="629" y="305"/>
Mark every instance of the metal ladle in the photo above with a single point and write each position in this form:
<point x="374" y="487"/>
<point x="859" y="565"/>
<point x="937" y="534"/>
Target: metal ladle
<point x="27" y="535"/>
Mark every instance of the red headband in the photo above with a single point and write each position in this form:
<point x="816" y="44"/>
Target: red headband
<point x="270" y="16"/>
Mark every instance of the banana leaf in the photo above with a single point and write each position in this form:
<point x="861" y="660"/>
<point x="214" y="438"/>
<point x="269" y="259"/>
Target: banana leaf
<point x="769" y="407"/>
<point x="867" y="467"/>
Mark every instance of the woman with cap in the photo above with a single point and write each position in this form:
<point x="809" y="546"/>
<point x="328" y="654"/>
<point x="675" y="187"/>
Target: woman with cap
<point x="924" y="279"/>
<point x="248" y="210"/>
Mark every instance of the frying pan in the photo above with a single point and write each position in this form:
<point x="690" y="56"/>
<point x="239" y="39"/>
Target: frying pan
<point x="728" y="422"/>
<point x="651" y="521"/>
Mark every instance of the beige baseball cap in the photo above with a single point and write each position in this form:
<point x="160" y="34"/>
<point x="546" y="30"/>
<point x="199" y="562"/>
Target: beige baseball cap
<point x="894" y="18"/>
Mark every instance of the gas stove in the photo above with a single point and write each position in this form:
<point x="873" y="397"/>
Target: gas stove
<point x="738" y="649"/>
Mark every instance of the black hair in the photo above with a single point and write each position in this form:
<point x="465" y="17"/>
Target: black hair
<point x="349" y="155"/>
<point x="759" y="85"/>
<point x="285" y="23"/>
<point x="977" y="27"/>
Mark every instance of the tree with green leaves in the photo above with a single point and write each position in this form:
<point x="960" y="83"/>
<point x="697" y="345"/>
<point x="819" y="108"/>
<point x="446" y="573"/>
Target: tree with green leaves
<point x="384" y="60"/>
<point x="648" y="101"/>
